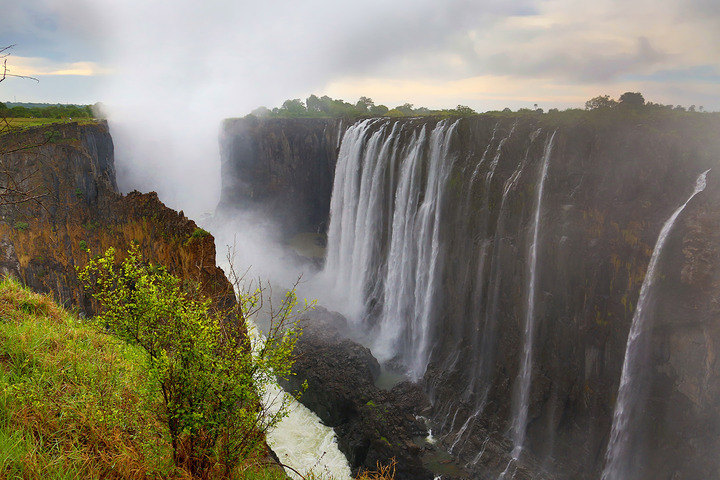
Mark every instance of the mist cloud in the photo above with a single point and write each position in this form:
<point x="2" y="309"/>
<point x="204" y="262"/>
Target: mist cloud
<point x="180" y="67"/>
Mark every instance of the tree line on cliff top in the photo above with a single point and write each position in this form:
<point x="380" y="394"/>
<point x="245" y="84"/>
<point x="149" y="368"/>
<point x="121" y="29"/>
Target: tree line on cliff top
<point x="325" y="106"/>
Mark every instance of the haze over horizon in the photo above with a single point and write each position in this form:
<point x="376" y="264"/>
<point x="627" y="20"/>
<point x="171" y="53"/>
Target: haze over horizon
<point x="170" y="71"/>
<point x="486" y="54"/>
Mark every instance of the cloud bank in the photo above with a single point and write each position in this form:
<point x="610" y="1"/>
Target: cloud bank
<point x="171" y="70"/>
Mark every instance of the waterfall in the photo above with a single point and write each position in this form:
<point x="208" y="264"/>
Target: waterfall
<point x="483" y="356"/>
<point x="384" y="245"/>
<point x="520" y="409"/>
<point x="617" y="456"/>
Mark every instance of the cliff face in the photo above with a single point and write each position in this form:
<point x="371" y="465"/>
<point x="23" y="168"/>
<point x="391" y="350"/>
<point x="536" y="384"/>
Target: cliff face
<point x="284" y="167"/>
<point x="609" y="189"/>
<point x="611" y="184"/>
<point x="80" y="213"/>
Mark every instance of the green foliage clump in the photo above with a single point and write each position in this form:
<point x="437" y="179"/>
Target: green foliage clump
<point x="197" y="234"/>
<point x="21" y="226"/>
<point x="210" y="377"/>
<point x="48" y="111"/>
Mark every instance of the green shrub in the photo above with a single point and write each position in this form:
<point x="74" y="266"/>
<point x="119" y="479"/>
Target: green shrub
<point x="22" y="226"/>
<point x="211" y="378"/>
<point x="197" y="234"/>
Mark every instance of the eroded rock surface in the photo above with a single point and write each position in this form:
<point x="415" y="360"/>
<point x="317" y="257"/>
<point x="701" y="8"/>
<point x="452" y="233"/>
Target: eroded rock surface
<point x="80" y="213"/>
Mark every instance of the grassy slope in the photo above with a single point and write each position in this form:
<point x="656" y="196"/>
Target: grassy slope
<point x="74" y="403"/>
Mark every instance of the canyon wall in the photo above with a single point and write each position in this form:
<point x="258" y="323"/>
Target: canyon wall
<point x="281" y="167"/>
<point x="72" y="210"/>
<point x="513" y="268"/>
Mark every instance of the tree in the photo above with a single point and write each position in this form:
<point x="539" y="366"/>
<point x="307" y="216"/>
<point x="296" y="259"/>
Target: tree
<point x="405" y="109"/>
<point x="378" y="110"/>
<point x="364" y="104"/>
<point x="261" y="112"/>
<point x="463" y="110"/>
<point x="212" y="378"/>
<point x="12" y="187"/>
<point x="294" y="107"/>
<point x="632" y="99"/>
<point x="313" y="104"/>
<point x="600" y="102"/>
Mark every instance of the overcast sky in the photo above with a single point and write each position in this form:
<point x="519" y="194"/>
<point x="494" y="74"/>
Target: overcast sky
<point x="170" y="70"/>
<point x="484" y="53"/>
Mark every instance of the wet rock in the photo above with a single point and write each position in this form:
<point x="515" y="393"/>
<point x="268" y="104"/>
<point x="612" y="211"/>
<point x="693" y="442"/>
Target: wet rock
<point x="612" y="182"/>
<point x="372" y="425"/>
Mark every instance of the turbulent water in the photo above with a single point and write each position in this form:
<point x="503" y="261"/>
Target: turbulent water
<point x="619" y="457"/>
<point x="301" y="441"/>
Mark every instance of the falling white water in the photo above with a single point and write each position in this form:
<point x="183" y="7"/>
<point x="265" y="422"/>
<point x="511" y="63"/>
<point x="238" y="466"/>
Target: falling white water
<point x="370" y="210"/>
<point x="483" y="366"/>
<point x="519" y="424"/>
<point x="481" y="452"/>
<point x="475" y="373"/>
<point x="616" y="458"/>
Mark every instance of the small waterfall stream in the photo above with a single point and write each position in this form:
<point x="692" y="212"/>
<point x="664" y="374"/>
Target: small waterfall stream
<point x="522" y="385"/>
<point x="618" y="455"/>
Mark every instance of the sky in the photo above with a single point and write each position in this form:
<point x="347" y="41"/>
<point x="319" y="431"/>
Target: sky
<point x="170" y="70"/>
<point x="484" y="53"/>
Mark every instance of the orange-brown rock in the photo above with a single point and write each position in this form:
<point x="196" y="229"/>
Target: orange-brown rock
<point x="81" y="214"/>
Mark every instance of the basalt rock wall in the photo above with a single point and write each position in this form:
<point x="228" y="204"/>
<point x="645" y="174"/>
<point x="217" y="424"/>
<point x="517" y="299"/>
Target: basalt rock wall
<point x="70" y="209"/>
<point x="613" y="179"/>
<point x="281" y="167"/>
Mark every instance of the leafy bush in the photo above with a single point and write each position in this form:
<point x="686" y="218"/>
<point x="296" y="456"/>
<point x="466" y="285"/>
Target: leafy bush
<point x="211" y="378"/>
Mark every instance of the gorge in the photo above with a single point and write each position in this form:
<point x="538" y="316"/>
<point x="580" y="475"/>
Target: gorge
<point x="538" y="293"/>
<point x="500" y="260"/>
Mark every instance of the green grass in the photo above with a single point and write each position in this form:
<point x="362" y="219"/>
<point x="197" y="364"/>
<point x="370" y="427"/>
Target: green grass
<point x="76" y="403"/>
<point x="20" y="123"/>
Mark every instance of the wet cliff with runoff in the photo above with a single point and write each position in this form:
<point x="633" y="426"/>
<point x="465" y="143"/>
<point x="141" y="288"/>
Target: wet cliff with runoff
<point x="284" y="167"/>
<point x="527" y="234"/>
<point x="71" y="209"/>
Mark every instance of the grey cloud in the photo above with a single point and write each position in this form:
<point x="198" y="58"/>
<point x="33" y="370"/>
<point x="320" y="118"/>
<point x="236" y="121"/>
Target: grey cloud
<point x="581" y="63"/>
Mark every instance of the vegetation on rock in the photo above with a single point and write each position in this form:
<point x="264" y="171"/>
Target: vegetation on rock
<point x="326" y="107"/>
<point x="77" y="402"/>
<point x="211" y="380"/>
